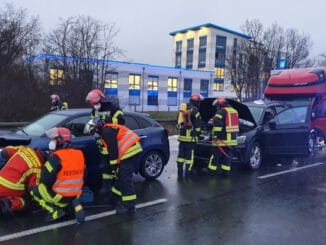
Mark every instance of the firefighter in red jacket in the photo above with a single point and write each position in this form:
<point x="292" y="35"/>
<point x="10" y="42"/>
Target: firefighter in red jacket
<point x="62" y="178"/>
<point x="122" y="151"/>
<point x="189" y="129"/>
<point x="21" y="170"/>
<point x="224" y="136"/>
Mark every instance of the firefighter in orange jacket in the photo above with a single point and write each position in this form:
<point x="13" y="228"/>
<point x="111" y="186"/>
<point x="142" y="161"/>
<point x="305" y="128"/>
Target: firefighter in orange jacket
<point x="62" y="178"/>
<point x="224" y="136"/>
<point x="121" y="151"/>
<point x="188" y="133"/>
<point x="21" y="170"/>
<point x="107" y="109"/>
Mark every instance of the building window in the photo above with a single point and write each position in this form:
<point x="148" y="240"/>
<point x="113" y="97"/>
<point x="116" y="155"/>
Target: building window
<point x="187" y="88"/>
<point x="219" y="58"/>
<point x="190" y="53"/>
<point x="189" y="60"/>
<point x="202" y="42"/>
<point x="178" y="60"/>
<point x="220" y="51"/>
<point x="220" y="42"/>
<point x="111" y="83"/>
<point x="134" y="89"/>
<point x="178" y="48"/>
<point x="218" y="86"/>
<point x="172" y="91"/>
<point x="190" y="44"/>
<point x="56" y="77"/>
<point x="219" y="72"/>
<point x="202" y="58"/>
<point x="152" y="90"/>
<point x="178" y="53"/>
<point x="204" y="87"/>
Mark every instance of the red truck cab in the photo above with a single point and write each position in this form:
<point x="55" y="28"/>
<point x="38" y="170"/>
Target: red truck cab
<point x="300" y="86"/>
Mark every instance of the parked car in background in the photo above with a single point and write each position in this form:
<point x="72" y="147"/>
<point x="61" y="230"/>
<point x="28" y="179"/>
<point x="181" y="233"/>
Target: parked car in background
<point x="266" y="128"/>
<point x="154" y="140"/>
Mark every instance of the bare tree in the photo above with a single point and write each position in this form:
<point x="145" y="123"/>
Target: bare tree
<point x="19" y="35"/>
<point x="296" y="48"/>
<point x="19" y="38"/>
<point x="84" y="44"/>
<point x="321" y="60"/>
<point x="251" y="63"/>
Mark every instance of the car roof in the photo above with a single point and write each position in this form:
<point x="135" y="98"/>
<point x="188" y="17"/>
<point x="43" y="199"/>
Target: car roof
<point x="79" y="111"/>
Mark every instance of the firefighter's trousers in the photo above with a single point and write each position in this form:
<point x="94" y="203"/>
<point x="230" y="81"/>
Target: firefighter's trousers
<point x="220" y="157"/>
<point x="123" y="186"/>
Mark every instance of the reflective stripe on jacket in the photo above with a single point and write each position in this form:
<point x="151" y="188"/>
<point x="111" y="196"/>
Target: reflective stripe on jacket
<point x="184" y="132"/>
<point x="128" y="141"/>
<point x="226" y="117"/>
<point x="231" y="120"/>
<point x="23" y="168"/>
<point x="70" y="178"/>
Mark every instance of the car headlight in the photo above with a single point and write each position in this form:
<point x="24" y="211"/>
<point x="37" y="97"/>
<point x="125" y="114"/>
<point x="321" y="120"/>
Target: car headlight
<point x="241" y="139"/>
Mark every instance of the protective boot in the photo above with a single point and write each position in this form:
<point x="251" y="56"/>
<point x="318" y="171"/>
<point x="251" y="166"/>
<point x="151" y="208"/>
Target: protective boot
<point x="124" y="208"/>
<point x="180" y="170"/>
<point x="5" y="207"/>
<point x="78" y="210"/>
<point x="56" y="215"/>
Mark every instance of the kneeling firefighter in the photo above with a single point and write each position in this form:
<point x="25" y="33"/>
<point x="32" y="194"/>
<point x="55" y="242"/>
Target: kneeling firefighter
<point x="62" y="178"/>
<point x="224" y="136"/>
<point x="121" y="163"/>
<point x="21" y="171"/>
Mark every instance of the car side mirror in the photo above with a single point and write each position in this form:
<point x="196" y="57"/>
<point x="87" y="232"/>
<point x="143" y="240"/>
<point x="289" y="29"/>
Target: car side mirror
<point x="272" y="124"/>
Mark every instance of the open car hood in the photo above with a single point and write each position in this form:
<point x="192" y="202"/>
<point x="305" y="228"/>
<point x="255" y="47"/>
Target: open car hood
<point x="207" y="110"/>
<point x="11" y="138"/>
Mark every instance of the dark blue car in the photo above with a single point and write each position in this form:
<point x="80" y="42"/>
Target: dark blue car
<point x="154" y="140"/>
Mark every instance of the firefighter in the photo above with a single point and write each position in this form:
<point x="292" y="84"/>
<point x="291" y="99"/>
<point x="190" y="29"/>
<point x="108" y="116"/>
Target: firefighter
<point x="121" y="163"/>
<point x="21" y="171"/>
<point x="107" y="110"/>
<point x="188" y="128"/>
<point x="224" y="136"/>
<point x="105" y="107"/>
<point x="56" y="104"/>
<point x="62" y="178"/>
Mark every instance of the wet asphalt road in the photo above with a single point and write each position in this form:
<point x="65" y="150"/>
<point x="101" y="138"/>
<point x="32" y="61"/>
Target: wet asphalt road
<point x="246" y="208"/>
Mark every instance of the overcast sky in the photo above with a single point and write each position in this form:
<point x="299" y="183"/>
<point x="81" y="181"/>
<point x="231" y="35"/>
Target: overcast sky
<point x="145" y="24"/>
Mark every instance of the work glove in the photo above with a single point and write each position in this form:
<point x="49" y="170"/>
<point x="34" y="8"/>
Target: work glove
<point x="193" y="133"/>
<point x="114" y="171"/>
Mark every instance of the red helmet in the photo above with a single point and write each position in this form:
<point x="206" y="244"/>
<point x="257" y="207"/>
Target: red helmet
<point x="94" y="96"/>
<point x="219" y="101"/>
<point x="59" y="134"/>
<point x="196" y="97"/>
<point x="54" y="97"/>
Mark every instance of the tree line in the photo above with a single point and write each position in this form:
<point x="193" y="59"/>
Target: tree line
<point x="24" y="95"/>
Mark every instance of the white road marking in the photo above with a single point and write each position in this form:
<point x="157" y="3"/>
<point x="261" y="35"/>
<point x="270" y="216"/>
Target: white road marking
<point x="290" y="170"/>
<point x="72" y="222"/>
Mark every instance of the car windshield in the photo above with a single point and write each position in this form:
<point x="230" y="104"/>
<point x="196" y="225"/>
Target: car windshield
<point x="256" y="112"/>
<point x="38" y="127"/>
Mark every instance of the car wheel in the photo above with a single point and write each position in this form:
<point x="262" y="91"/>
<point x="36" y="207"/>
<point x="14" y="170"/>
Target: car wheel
<point x="255" y="156"/>
<point x="152" y="165"/>
<point x="311" y="143"/>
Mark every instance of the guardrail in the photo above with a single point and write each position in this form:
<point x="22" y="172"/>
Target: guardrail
<point x="10" y="125"/>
